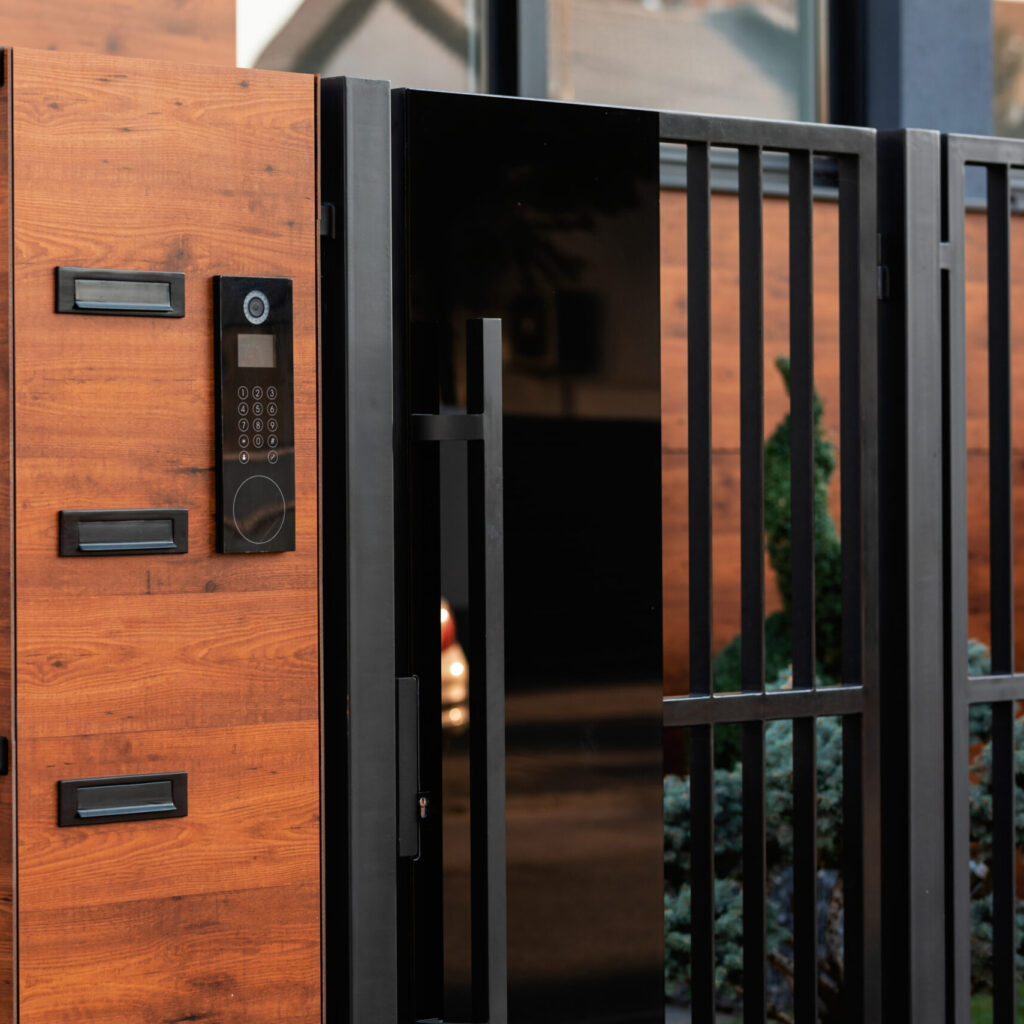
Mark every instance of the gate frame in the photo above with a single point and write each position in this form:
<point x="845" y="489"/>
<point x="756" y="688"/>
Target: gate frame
<point x="918" y="547"/>
<point x="857" y="700"/>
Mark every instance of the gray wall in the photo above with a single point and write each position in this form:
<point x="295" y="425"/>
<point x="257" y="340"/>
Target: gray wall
<point x="929" y="65"/>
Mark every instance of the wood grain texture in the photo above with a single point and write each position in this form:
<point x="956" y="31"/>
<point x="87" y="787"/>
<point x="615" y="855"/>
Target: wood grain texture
<point x="183" y="31"/>
<point x="7" y="783"/>
<point x="233" y="985"/>
<point x="201" y="662"/>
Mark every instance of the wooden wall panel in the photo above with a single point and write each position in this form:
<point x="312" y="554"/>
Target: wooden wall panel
<point x="201" y="662"/>
<point x="7" y="909"/>
<point x="183" y="31"/>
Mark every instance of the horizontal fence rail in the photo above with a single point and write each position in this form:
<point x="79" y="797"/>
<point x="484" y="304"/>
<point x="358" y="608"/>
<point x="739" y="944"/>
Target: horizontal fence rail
<point x="856" y="701"/>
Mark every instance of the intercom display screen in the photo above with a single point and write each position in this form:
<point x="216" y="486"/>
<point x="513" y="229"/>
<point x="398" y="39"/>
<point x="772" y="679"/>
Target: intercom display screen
<point x="258" y="350"/>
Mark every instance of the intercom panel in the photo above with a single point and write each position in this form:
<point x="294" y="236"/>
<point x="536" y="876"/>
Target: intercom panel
<point x="255" y="414"/>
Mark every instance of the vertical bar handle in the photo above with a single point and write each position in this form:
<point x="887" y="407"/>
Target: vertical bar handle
<point x="480" y="428"/>
<point x="487" y="659"/>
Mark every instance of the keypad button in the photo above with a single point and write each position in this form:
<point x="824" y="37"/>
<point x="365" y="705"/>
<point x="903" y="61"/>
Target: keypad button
<point x="243" y="458"/>
<point x="243" y="408"/>
<point x="272" y="409"/>
<point x="272" y="458"/>
<point x="243" y="392"/>
<point x="257" y="441"/>
<point x="257" y="426"/>
<point x="271" y="425"/>
<point x="272" y="441"/>
<point x="257" y="392"/>
<point x="257" y="409"/>
<point x="243" y="426"/>
<point x="243" y="441"/>
<point x="271" y="392"/>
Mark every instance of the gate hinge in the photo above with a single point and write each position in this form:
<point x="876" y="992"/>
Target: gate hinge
<point x="945" y="256"/>
<point x="327" y="227"/>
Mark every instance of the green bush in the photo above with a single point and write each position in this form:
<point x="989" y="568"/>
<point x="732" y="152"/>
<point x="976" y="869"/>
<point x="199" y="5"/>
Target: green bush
<point x="828" y="570"/>
<point x="728" y="786"/>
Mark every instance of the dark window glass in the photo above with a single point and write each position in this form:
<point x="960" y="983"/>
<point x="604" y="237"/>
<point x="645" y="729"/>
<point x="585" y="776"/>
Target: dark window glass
<point x="752" y="59"/>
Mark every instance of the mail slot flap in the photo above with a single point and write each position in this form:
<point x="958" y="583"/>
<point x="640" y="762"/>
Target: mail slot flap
<point x="125" y="531"/>
<point x="120" y="292"/>
<point x="122" y="798"/>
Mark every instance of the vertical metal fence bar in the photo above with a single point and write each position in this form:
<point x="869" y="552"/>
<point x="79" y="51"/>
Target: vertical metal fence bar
<point x="751" y="420"/>
<point x="698" y="332"/>
<point x="861" y="745"/>
<point x="487" y="690"/>
<point x="868" y="488"/>
<point x="850" y="327"/>
<point x="849" y="379"/>
<point x="702" y="803"/>
<point x="1001" y="591"/>
<point x="999" y="421"/>
<point x="1004" y="860"/>
<point x="801" y="390"/>
<point x="958" y="923"/>
<point x="752" y="583"/>
<point x="801" y="405"/>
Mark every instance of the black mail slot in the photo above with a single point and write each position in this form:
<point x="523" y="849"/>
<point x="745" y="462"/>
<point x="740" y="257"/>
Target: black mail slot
<point x="122" y="798"/>
<point x="120" y="292"/>
<point x="125" y="531"/>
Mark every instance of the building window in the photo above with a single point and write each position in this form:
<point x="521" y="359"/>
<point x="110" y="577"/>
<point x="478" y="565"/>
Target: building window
<point x="424" y="44"/>
<point x="1008" y="67"/>
<point x="753" y="58"/>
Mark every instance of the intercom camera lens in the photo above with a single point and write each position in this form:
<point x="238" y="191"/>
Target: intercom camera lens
<point x="256" y="307"/>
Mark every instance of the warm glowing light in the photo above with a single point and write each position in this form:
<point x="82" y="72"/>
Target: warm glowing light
<point x="457" y="668"/>
<point x="444" y="616"/>
<point x="455" y="715"/>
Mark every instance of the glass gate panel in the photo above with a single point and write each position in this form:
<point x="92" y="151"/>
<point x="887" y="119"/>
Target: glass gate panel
<point x="545" y="216"/>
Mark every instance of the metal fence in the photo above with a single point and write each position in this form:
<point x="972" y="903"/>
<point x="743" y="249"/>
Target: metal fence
<point x="856" y="699"/>
<point x="1001" y="686"/>
<point x="905" y="694"/>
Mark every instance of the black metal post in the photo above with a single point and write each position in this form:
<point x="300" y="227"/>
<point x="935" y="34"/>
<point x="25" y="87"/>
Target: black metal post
<point x="359" y="756"/>
<point x="912" y="596"/>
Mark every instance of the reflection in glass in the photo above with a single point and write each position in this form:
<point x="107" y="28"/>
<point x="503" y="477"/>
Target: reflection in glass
<point x="755" y="59"/>
<point x="1008" y="67"/>
<point x="546" y="215"/>
<point x="427" y="44"/>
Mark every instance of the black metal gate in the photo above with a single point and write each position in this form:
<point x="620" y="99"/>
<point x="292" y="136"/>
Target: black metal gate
<point x="856" y="698"/>
<point x="903" y="693"/>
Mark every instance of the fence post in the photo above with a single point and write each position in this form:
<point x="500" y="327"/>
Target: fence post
<point x="912" y="651"/>
<point x="358" y="582"/>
